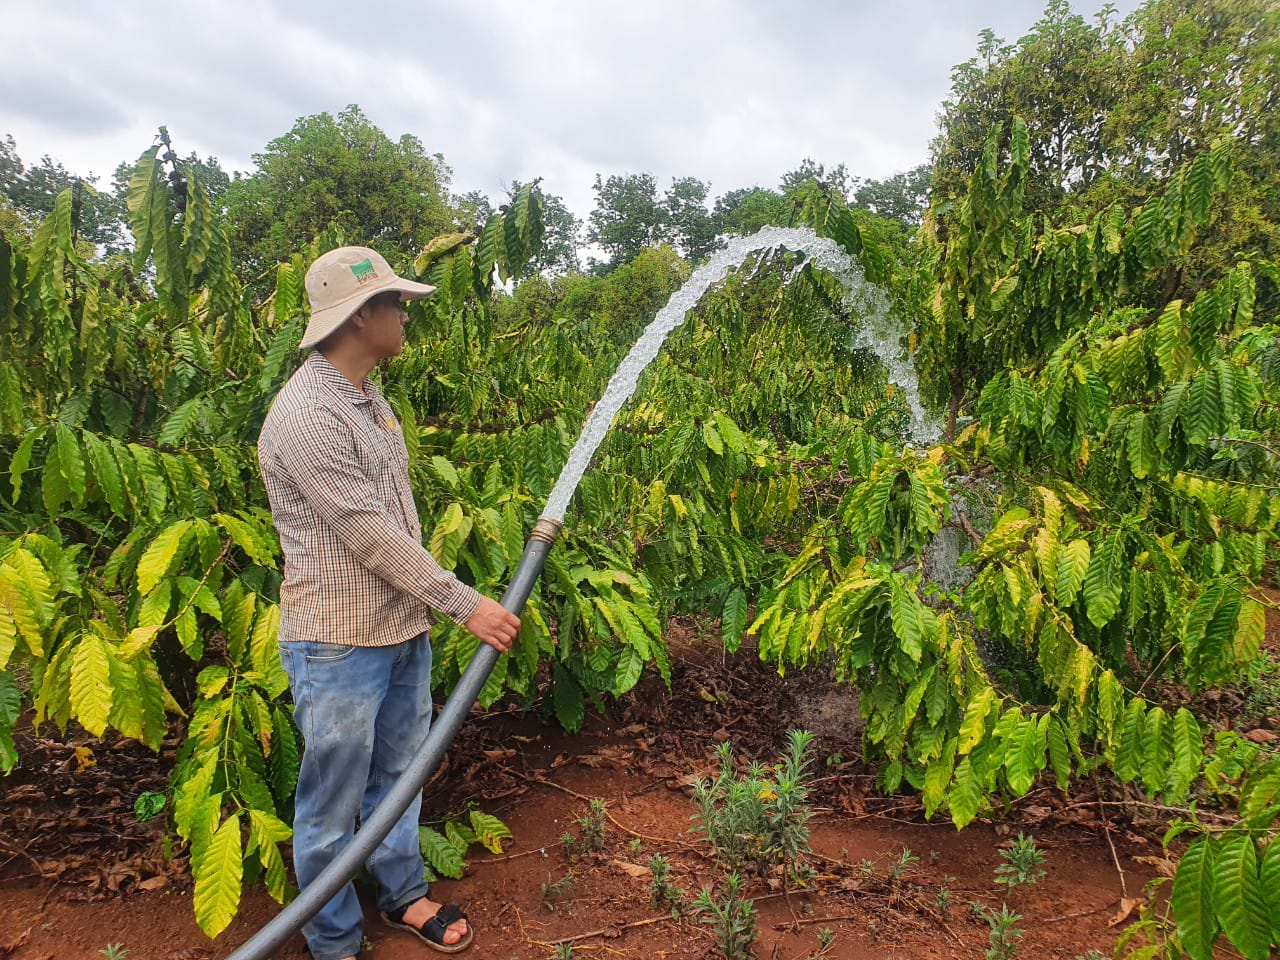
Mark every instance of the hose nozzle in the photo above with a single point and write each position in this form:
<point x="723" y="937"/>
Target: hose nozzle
<point x="546" y="530"/>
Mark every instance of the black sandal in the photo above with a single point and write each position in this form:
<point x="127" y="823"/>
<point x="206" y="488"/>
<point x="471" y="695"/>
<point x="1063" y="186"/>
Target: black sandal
<point x="432" y="932"/>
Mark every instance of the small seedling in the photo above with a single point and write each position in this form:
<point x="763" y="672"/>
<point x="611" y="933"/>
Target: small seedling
<point x="732" y="919"/>
<point x="898" y="869"/>
<point x="635" y="846"/>
<point x="563" y="951"/>
<point x="554" y="890"/>
<point x="1004" y="931"/>
<point x="115" y="951"/>
<point x="867" y="869"/>
<point x="593" y="827"/>
<point x="662" y="892"/>
<point x="825" y="937"/>
<point x="568" y="843"/>
<point x="944" y="898"/>
<point x="1022" y="859"/>
<point x="873" y="928"/>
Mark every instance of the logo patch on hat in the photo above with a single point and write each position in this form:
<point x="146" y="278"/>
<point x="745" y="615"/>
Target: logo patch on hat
<point x="363" y="271"/>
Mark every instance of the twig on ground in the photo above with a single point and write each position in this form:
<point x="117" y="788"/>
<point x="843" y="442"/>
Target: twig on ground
<point x="514" y="856"/>
<point x="605" y="931"/>
<point x="1106" y="829"/>
<point x="1077" y="914"/>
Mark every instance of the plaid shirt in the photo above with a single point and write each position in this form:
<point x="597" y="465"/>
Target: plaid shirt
<point x="337" y="475"/>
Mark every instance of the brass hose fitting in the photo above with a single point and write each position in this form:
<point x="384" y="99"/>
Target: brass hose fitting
<point x="546" y="530"/>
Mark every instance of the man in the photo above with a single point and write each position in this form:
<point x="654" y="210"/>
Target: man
<point x="356" y="598"/>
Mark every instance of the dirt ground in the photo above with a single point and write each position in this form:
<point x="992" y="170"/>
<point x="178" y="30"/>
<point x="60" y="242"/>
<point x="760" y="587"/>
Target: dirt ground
<point x="78" y="872"/>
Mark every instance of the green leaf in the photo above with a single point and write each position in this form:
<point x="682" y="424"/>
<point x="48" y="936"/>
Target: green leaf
<point x="1187" y="753"/>
<point x="1193" y="900"/>
<point x="490" y="252"/>
<point x="1269" y="878"/>
<point x="630" y="667"/>
<point x="70" y="460"/>
<point x="460" y="835"/>
<point x="148" y="804"/>
<point x="219" y="873"/>
<point x="1237" y="897"/>
<point x="733" y="619"/>
<point x="965" y="797"/>
<point x="10" y="707"/>
<point x="439" y="854"/>
<point x="1059" y="752"/>
<point x="1025" y="755"/>
<point x="1102" y="582"/>
<point x="179" y="423"/>
<point x="909" y="618"/>
<point x="265" y="833"/>
<point x="22" y="460"/>
<point x="106" y="473"/>
<point x="711" y="435"/>
<point x="566" y="698"/>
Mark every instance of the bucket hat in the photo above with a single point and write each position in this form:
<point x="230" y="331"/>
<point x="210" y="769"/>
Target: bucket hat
<point x="342" y="281"/>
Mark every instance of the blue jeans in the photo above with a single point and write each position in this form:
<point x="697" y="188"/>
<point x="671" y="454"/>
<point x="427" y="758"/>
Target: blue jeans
<point x="363" y="713"/>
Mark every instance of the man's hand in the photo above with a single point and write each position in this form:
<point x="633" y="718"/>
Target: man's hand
<point x="494" y="624"/>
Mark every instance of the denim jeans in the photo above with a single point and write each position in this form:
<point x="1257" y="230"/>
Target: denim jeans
<point x="363" y="713"/>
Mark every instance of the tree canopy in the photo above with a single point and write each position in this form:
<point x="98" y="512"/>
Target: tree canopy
<point x="339" y="172"/>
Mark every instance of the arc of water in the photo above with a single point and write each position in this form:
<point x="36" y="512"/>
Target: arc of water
<point x="879" y="330"/>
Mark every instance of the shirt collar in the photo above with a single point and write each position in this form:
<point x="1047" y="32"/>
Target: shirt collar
<point x="334" y="379"/>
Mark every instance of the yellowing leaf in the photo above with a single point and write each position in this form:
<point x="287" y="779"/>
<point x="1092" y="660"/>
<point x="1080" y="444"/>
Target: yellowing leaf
<point x="219" y="872"/>
<point x="158" y="557"/>
<point x="91" y="683"/>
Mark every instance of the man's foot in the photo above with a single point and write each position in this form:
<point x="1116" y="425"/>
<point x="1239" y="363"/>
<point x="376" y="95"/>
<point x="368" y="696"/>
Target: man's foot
<point x="443" y="927"/>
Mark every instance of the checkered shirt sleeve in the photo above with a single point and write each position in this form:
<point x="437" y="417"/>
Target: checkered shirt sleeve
<point x="336" y="472"/>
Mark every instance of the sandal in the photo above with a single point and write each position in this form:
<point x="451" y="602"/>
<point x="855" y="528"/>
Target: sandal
<point x="432" y="932"/>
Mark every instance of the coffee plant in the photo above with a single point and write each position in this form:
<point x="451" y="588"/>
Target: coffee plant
<point x="1122" y="442"/>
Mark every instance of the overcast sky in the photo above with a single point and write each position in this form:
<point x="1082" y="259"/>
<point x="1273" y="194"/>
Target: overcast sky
<point x="734" y="93"/>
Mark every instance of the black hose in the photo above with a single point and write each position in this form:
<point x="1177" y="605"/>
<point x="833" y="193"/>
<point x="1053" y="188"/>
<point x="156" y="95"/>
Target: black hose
<point x="385" y="815"/>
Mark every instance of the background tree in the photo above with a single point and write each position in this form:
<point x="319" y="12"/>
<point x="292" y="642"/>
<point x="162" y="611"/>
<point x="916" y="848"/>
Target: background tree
<point x="474" y="209"/>
<point x="32" y="189"/>
<point x="902" y="197"/>
<point x="747" y="209"/>
<point x="837" y="179"/>
<point x="689" y="225"/>
<point x="1062" y="78"/>
<point x="1113" y="108"/>
<point x="630" y="215"/>
<point x="338" y="172"/>
<point x="627" y="217"/>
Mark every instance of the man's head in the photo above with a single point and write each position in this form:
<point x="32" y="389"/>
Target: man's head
<point x="357" y="284"/>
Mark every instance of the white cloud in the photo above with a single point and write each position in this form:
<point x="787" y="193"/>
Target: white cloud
<point x="735" y="93"/>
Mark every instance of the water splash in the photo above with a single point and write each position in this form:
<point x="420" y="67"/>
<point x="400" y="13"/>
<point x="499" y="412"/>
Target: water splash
<point x="878" y="330"/>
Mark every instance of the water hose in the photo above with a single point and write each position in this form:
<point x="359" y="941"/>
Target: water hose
<point x="385" y="815"/>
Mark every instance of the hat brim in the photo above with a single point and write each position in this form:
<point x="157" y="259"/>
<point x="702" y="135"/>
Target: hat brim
<point x="323" y="322"/>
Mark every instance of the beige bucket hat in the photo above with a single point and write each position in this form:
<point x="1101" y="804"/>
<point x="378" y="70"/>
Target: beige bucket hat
<point x="342" y="281"/>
